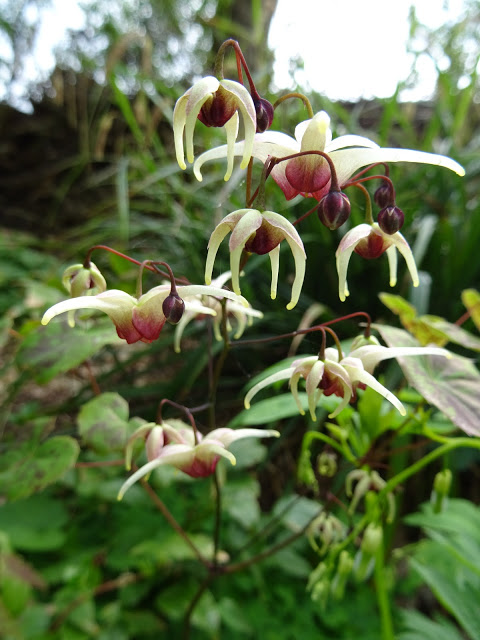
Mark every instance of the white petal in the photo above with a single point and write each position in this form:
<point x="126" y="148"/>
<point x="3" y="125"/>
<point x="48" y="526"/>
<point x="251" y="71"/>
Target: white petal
<point x="348" y="161"/>
<point x="350" y="140"/>
<point x="402" y="245"/>
<point x="226" y="436"/>
<point x="284" y="374"/>
<point x="275" y="263"/>
<point x="231" y="128"/>
<point x="392" y="264"/>
<point x="360" y="375"/>
<point x="110" y="302"/>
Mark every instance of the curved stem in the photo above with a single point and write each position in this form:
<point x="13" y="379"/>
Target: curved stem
<point x="383" y="600"/>
<point x="183" y="408"/>
<point x="296" y="94"/>
<point x="173" y="523"/>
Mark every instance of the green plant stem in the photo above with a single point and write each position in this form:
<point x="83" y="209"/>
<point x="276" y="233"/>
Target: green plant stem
<point x="218" y="516"/>
<point x="193" y="603"/>
<point x="383" y="600"/>
<point x="217" y="371"/>
<point x="454" y="443"/>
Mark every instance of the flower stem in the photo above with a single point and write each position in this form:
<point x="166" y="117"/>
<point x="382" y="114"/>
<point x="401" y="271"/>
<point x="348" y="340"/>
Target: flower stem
<point x="383" y="600"/>
<point x="296" y="94"/>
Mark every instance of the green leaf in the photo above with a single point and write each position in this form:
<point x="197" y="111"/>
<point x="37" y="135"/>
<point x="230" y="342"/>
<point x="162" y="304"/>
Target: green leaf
<point x="103" y="423"/>
<point x="56" y="348"/>
<point x="34" y="524"/>
<point x="450" y="384"/>
<point x="429" y="329"/>
<point x="471" y="300"/>
<point x="34" y="465"/>
<point x="419" y="627"/>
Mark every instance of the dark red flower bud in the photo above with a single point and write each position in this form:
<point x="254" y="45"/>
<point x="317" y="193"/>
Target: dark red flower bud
<point x="334" y="209"/>
<point x="390" y="219"/>
<point x="384" y="196"/>
<point x="218" y="109"/>
<point x="173" y="307"/>
<point x="264" y="112"/>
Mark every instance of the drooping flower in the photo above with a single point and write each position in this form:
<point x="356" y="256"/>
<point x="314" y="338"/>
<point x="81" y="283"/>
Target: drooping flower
<point x="341" y="377"/>
<point x="216" y="103"/>
<point x="174" y="444"/>
<point x="138" y="319"/>
<point x="310" y="175"/>
<point x="369" y="241"/>
<point x="261" y="233"/>
<point x="243" y="315"/>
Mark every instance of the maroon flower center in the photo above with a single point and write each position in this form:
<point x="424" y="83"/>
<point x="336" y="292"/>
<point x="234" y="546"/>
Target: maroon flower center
<point x="265" y="239"/>
<point x="372" y="246"/>
<point x="218" y="109"/>
<point x="307" y="174"/>
<point x="331" y="385"/>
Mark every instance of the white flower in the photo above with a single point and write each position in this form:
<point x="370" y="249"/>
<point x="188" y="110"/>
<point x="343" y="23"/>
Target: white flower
<point x="174" y="444"/>
<point x="258" y="232"/>
<point x="142" y="318"/>
<point x="369" y="241"/>
<point x="310" y="175"/>
<point x="341" y="377"/>
<point x="216" y="103"/>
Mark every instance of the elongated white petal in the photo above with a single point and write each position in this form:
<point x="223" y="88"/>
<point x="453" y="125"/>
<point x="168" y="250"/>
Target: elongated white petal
<point x="187" y="317"/>
<point x="111" y="302"/>
<point x="404" y="248"/>
<point x="198" y="95"/>
<point x="371" y="355"/>
<point x="359" y="375"/>
<point x="247" y="108"/>
<point x="179" y="119"/>
<point x="313" y="380"/>
<point x="348" y="161"/>
<point x="392" y="264"/>
<point x="345" y="249"/>
<point x="294" y="380"/>
<point x="284" y="374"/>
<point x="206" y="451"/>
<point x="350" y="140"/>
<point x="226" y="436"/>
<point x="275" y="264"/>
<point x="231" y="128"/>
<point x="216" y="239"/>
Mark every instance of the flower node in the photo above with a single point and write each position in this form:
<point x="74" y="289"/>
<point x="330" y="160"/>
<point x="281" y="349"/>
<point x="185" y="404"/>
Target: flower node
<point x="334" y="210"/>
<point x="390" y="219"/>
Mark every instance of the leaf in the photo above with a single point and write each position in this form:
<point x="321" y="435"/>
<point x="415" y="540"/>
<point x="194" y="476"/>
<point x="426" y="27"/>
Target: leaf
<point x="419" y="627"/>
<point x="34" y="465"/>
<point x="429" y="329"/>
<point x="471" y="300"/>
<point x="103" y="423"/>
<point x="56" y="348"/>
<point x="450" y="384"/>
<point x="34" y="524"/>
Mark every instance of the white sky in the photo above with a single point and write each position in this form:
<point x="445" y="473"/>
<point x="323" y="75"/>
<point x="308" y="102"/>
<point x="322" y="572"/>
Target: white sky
<point x="353" y="48"/>
<point x="350" y="48"/>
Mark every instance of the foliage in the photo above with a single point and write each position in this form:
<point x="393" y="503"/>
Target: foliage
<point x="302" y="538"/>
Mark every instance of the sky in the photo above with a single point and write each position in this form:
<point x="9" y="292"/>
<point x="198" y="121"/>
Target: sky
<point x="350" y="49"/>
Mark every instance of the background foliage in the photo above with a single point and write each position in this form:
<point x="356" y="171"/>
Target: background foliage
<point x="94" y="164"/>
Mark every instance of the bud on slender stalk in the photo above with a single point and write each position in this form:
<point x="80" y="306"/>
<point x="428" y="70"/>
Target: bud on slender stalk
<point x="334" y="210"/>
<point x="173" y="307"/>
<point x="390" y="219"/>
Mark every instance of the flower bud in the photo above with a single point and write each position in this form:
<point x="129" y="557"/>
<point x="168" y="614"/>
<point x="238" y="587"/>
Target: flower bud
<point x="334" y="210"/>
<point x="441" y="488"/>
<point x="327" y="464"/>
<point x="371" y="544"/>
<point x="383" y="196"/>
<point x="264" y="112"/>
<point x="173" y="307"/>
<point x="344" y="568"/>
<point x="79" y="280"/>
<point x="390" y="219"/>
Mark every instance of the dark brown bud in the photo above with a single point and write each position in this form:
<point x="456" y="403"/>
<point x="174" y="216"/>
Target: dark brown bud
<point x="384" y="196"/>
<point x="264" y="112"/>
<point x="390" y="219"/>
<point x="173" y="307"/>
<point x="334" y="209"/>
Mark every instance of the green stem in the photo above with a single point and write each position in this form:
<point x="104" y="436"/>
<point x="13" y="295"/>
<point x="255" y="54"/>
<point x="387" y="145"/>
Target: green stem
<point x="383" y="600"/>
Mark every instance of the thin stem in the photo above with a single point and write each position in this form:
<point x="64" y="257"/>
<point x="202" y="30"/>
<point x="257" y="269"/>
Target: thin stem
<point x="217" y="371"/>
<point x="301" y="97"/>
<point x="172" y="522"/>
<point x="191" y="607"/>
<point x="183" y="408"/>
<point x="218" y="516"/>
<point x="368" y="203"/>
<point x="383" y="600"/>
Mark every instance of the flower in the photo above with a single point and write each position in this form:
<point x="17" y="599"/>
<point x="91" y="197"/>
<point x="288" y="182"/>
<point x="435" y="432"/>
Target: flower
<point x="242" y="314"/>
<point x="216" y="103"/>
<point x="369" y="241"/>
<point x="142" y="318"/>
<point x="341" y="376"/>
<point x="258" y="232"/>
<point x="310" y="175"/>
<point x="175" y="443"/>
